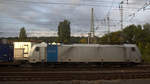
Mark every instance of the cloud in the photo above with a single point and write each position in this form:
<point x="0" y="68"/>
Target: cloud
<point x="75" y="2"/>
<point x="45" y="18"/>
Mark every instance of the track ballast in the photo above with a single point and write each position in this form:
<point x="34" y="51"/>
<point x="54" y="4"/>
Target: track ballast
<point x="73" y="73"/>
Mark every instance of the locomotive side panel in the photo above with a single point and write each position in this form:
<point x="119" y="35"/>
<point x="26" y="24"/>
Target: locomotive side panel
<point x="98" y="53"/>
<point x="78" y="54"/>
<point x="113" y="54"/>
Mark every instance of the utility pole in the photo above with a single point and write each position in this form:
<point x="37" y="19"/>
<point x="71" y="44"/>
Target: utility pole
<point x="121" y="19"/>
<point x="91" y="35"/>
<point x="92" y="23"/>
<point x="121" y="14"/>
<point x="108" y="28"/>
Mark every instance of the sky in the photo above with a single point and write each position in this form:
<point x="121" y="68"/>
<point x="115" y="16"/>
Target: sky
<point x="41" y="17"/>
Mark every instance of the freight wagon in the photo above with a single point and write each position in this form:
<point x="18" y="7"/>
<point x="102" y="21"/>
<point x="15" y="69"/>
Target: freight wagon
<point x="88" y="53"/>
<point x="6" y="53"/>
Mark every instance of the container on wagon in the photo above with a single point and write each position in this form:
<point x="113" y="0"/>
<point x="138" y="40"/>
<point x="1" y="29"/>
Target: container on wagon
<point x="22" y="50"/>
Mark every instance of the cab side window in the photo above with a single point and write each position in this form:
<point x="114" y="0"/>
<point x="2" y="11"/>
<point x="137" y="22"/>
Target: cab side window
<point x="37" y="49"/>
<point x="133" y="48"/>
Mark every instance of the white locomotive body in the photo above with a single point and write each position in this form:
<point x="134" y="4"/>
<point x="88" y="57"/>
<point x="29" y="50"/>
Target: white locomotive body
<point x="85" y="53"/>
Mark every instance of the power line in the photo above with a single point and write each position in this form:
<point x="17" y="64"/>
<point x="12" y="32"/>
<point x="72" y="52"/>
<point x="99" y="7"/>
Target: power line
<point x="62" y="3"/>
<point x="55" y="3"/>
<point x="107" y="15"/>
<point x="140" y="9"/>
<point x="86" y="4"/>
<point x="39" y="2"/>
<point x="110" y="8"/>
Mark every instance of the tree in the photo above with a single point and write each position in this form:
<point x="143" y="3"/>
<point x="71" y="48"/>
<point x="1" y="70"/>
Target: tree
<point x="146" y="32"/>
<point x="64" y="31"/>
<point x="22" y="35"/>
<point x="113" y="36"/>
<point x="130" y="33"/>
<point x="136" y="34"/>
<point x="83" y="40"/>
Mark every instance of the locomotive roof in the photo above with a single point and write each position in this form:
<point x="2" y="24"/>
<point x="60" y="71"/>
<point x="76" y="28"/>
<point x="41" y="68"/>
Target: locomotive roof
<point x="97" y="45"/>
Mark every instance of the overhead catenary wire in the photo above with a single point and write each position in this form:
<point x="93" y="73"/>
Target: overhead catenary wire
<point x="63" y="3"/>
<point x="107" y="15"/>
<point x="40" y="2"/>
<point x="17" y="2"/>
<point x="131" y="16"/>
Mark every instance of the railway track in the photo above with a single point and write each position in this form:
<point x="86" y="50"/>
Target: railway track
<point x="73" y="73"/>
<point x="73" y="68"/>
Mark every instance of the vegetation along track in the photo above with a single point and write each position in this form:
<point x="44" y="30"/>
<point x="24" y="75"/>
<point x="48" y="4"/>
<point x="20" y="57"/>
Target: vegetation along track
<point x="54" y="74"/>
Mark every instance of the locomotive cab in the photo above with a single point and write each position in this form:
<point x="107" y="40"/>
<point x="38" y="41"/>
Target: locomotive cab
<point x="133" y="54"/>
<point x="38" y="53"/>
